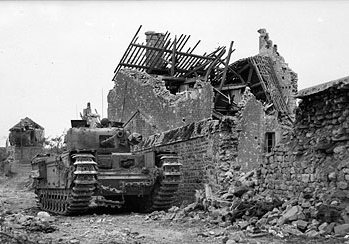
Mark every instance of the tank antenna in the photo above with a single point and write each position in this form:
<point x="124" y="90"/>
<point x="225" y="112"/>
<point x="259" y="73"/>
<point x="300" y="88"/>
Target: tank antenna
<point x="102" y="103"/>
<point x="76" y="111"/>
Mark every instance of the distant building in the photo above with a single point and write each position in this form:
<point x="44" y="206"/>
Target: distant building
<point x="26" y="133"/>
<point x="26" y="139"/>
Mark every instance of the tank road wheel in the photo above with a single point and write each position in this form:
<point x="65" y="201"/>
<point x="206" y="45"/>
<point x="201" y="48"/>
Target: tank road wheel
<point x="77" y="199"/>
<point x="165" y="191"/>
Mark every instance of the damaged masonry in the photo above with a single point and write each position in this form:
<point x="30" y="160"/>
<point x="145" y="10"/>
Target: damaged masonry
<point x="240" y="134"/>
<point x="230" y="148"/>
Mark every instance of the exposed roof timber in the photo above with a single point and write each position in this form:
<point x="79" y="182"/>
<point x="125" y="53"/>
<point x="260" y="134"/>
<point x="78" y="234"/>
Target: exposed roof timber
<point x="232" y="87"/>
<point x="243" y="68"/>
<point x="235" y="73"/>
<point x="214" y="63"/>
<point x="216" y="114"/>
<point x="256" y="84"/>
<point x="269" y="82"/>
<point x="222" y="94"/>
<point x="127" y="50"/>
<point x="226" y="66"/>
<point x="163" y="56"/>
<point x="170" y="51"/>
<point x="197" y="68"/>
<point x="250" y="75"/>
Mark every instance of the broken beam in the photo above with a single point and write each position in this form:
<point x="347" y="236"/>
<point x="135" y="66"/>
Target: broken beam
<point x="226" y="65"/>
<point x="232" y="87"/>
<point x="234" y="72"/>
<point x="178" y="53"/>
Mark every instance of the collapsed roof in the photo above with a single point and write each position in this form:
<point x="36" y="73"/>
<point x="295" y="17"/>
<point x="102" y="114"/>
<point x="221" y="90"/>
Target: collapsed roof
<point x="26" y="124"/>
<point x="164" y="57"/>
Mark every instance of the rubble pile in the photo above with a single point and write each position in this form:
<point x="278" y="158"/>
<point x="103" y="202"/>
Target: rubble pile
<point x="23" y="228"/>
<point x="243" y="210"/>
<point x="313" y="168"/>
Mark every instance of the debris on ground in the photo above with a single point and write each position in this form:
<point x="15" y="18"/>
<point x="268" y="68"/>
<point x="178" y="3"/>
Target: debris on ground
<point x="22" y="228"/>
<point x="246" y="215"/>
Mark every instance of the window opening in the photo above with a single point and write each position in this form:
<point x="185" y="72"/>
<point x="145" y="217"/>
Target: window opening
<point x="269" y="141"/>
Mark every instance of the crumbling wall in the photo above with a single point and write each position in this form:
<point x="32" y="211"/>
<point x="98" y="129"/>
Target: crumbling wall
<point x="316" y="161"/>
<point x="251" y="124"/>
<point x="139" y="93"/>
<point x="286" y="76"/>
<point x="207" y="150"/>
<point x="216" y="152"/>
<point x="24" y="155"/>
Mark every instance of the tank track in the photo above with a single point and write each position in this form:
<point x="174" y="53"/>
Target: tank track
<point x="166" y="190"/>
<point x="74" y="200"/>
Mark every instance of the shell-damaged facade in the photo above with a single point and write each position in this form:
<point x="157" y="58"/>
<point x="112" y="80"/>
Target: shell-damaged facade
<point x="221" y="117"/>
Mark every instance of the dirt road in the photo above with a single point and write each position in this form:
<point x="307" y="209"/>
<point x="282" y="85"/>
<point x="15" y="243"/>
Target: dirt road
<point x="18" y="210"/>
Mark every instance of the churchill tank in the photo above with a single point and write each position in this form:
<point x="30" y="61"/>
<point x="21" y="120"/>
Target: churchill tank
<point x="98" y="168"/>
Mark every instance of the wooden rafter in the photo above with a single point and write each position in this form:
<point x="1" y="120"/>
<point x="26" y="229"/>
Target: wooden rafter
<point x="166" y="57"/>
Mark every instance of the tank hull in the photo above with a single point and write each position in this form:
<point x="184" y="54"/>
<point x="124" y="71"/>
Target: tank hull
<point x="73" y="182"/>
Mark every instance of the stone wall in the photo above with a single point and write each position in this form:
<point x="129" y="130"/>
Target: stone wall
<point x="286" y="76"/>
<point x="252" y="127"/>
<point x="156" y="109"/>
<point x="216" y="152"/>
<point x="24" y="155"/>
<point x="207" y="150"/>
<point x="315" y="162"/>
<point x="3" y="153"/>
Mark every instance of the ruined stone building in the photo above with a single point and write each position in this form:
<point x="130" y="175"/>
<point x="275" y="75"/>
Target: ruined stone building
<point x="315" y="160"/>
<point x="221" y="117"/>
<point x="26" y="139"/>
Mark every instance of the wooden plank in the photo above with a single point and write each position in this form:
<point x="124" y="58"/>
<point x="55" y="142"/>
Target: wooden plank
<point x="136" y="55"/>
<point x="183" y="59"/>
<point x="147" y="67"/>
<point x="166" y="41"/>
<point x="178" y="53"/>
<point x="133" y="40"/>
<point x="157" y="58"/>
<point x="152" y="55"/>
<point x="255" y="85"/>
<point x="222" y="94"/>
<point x="173" y="61"/>
<point x="234" y="72"/>
<point x="218" y="59"/>
<point x="250" y="75"/>
<point x="232" y="87"/>
<point x="266" y="92"/>
<point x="130" y="56"/>
<point x="226" y="65"/>
<point x="185" y="42"/>
<point x="141" y="55"/>
<point x="174" y="79"/>
<point x="179" y="41"/>
<point x="197" y="68"/>
<point x="217" y="114"/>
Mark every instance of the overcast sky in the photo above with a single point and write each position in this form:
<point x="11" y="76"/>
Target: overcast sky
<point x="57" y="56"/>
